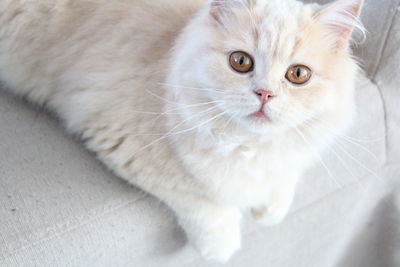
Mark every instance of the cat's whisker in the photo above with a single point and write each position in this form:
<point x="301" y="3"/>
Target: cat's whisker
<point x="343" y="163"/>
<point x="344" y="138"/>
<point x="189" y="106"/>
<point x="201" y="124"/>
<point x="165" y="136"/>
<point x="341" y="136"/>
<point x="360" y="146"/>
<point x="349" y="137"/>
<point x="171" y="111"/>
<point x="346" y="167"/>
<point x="162" y="98"/>
<point x="161" y="134"/>
<point x="352" y="157"/>
<point x="211" y="89"/>
<point x="183" y="105"/>
<point x="157" y="113"/>
<point x="188" y="130"/>
<point x="318" y="156"/>
<point x="190" y="118"/>
<point x="330" y="126"/>
<point x="232" y="117"/>
<point x="348" y="155"/>
<point x="363" y="140"/>
<point x="357" y="161"/>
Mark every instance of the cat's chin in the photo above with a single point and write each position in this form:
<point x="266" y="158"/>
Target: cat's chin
<point x="263" y="118"/>
<point x="260" y="120"/>
<point x="261" y="124"/>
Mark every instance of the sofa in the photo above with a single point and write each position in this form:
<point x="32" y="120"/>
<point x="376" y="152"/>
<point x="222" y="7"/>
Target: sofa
<point x="60" y="207"/>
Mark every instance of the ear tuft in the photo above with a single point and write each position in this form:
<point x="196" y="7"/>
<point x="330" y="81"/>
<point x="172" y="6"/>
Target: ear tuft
<point x="216" y="9"/>
<point x="342" y="18"/>
<point x="219" y="9"/>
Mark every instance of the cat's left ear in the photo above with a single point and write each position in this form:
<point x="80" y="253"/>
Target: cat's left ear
<point x="342" y="18"/>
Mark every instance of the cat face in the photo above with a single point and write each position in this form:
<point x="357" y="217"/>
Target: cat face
<point x="271" y="65"/>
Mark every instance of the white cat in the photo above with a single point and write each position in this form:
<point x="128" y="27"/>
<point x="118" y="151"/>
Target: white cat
<point x="214" y="107"/>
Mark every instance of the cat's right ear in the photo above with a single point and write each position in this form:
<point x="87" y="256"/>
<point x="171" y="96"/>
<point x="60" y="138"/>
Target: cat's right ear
<point x="342" y="18"/>
<point x="220" y="10"/>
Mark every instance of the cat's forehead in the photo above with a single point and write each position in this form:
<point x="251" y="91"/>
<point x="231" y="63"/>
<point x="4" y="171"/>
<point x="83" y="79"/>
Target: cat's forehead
<point x="281" y="21"/>
<point x="270" y="24"/>
<point x="281" y="25"/>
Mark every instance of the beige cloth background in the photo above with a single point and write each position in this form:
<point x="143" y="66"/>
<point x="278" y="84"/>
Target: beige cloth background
<point x="60" y="207"/>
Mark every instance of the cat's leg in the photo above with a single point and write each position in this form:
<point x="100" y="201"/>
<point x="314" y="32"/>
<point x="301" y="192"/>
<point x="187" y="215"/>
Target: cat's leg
<point x="275" y="210"/>
<point x="213" y="229"/>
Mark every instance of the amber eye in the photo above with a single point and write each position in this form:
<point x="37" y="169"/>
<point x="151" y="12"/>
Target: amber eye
<point x="298" y="74"/>
<point x="241" y="62"/>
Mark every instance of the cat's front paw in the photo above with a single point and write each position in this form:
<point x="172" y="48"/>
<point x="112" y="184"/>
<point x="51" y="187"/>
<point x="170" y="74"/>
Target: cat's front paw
<point x="269" y="215"/>
<point x="220" y="237"/>
<point x="276" y="209"/>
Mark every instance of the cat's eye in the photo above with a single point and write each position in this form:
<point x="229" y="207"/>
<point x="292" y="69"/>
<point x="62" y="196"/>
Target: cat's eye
<point x="241" y="62"/>
<point x="299" y="74"/>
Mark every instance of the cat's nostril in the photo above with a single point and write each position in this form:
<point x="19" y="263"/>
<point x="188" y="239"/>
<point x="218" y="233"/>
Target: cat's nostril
<point x="264" y="95"/>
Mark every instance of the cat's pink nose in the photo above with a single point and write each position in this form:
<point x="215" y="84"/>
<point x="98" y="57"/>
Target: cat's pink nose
<point x="264" y="95"/>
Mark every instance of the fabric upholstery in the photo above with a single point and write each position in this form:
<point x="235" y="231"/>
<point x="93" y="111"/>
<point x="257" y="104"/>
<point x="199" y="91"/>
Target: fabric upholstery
<point x="60" y="207"/>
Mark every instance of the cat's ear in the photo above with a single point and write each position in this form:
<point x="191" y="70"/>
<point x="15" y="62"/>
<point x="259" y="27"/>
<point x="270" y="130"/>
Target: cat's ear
<point x="220" y="9"/>
<point x="217" y="9"/>
<point x="342" y="19"/>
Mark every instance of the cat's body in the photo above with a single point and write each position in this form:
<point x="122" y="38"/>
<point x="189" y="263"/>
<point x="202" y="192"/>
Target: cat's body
<point x="124" y="76"/>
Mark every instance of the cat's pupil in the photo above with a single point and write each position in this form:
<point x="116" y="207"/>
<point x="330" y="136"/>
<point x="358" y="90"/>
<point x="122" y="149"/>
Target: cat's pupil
<point x="298" y="73"/>
<point x="241" y="61"/>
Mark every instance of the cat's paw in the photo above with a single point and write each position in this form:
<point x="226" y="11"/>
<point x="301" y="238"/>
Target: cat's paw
<point x="275" y="211"/>
<point x="219" y="238"/>
<point x="269" y="215"/>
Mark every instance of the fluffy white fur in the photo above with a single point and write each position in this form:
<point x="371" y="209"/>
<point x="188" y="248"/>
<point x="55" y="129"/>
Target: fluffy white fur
<point x="148" y="87"/>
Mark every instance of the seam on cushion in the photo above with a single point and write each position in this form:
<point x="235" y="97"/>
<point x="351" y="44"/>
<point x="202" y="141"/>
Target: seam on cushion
<point x="384" y="44"/>
<point x="64" y="228"/>
<point x="385" y="120"/>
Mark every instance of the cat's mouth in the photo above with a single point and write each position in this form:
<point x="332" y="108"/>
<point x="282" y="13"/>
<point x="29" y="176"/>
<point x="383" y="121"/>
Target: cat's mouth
<point x="260" y="115"/>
